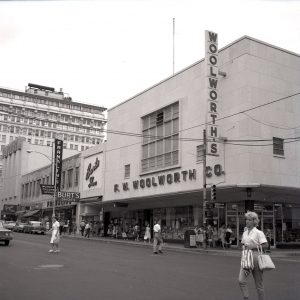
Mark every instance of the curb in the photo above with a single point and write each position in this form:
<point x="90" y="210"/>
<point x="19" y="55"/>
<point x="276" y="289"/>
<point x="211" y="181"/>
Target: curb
<point x="181" y="248"/>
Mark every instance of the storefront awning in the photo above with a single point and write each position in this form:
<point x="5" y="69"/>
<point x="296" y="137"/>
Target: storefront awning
<point x="20" y="212"/>
<point x="31" y="213"/>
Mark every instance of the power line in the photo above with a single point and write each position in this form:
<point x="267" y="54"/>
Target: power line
<point x="154" y="137"/>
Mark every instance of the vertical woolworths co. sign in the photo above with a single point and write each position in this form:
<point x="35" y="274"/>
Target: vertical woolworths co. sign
<point x="211" y="90"/>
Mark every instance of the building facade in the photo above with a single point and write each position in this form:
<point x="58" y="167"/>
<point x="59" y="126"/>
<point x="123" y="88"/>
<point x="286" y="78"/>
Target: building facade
<point x="156" y="169"/>
<point x="21" y="158"/>
<point x="40" y="114"/>
<point x="40" y="204"/>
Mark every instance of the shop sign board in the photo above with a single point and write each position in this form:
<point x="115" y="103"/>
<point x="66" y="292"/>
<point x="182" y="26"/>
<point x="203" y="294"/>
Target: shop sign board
<point x="68" y="196"/>
<point x="47" y="189"/>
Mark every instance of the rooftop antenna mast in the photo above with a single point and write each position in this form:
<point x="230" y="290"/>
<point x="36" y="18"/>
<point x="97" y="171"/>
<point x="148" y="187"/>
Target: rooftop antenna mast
<point x="173" y="45"/>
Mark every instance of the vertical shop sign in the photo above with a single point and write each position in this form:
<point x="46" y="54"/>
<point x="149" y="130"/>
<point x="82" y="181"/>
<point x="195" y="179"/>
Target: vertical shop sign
<point x="58" y="163"/>
<point x="211" y="90"/>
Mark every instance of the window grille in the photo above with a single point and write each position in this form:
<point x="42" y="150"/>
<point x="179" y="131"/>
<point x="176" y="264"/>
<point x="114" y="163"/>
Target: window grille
<point x="278" y="146"/>
<point x="160" y="147"/>
<point x="127" y="171"/>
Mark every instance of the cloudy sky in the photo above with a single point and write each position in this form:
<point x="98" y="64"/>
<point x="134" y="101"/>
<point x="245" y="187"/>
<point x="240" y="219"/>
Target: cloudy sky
<point x="105" y="51"/>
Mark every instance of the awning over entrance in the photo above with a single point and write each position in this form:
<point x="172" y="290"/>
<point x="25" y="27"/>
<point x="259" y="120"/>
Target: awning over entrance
<point x="31" y="213"/>
<point x="20" y="212"/>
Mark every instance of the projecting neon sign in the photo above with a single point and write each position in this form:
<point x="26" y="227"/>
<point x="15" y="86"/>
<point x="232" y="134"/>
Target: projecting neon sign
<point x="211" y="59"/>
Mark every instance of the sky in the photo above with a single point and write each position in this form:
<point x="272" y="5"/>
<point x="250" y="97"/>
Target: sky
<point x="104" y="52"/>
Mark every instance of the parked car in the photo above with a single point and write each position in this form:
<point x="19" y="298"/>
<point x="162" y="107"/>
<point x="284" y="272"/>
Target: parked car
<point x="34" y="227"/>
<point x="5" y="234"/>
<point x="19" y="227"/>
<point x="10" y="225"/>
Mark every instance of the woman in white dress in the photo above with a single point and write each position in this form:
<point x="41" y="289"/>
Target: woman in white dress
<point x="147" y="236"/>
<point x="55" y="235"/>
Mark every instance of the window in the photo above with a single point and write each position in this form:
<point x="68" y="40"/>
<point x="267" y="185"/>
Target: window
<point x="127" y="171"/>
<point x="278" y="146"/>
<point x="200" y="153"/>
<point x="76" y="181"/>
<point x="63" y="180"/>
<point x="70" y="178"/>
<point x="160" y="148"/>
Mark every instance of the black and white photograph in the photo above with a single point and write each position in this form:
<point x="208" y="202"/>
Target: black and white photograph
<point x="149" y="149"/>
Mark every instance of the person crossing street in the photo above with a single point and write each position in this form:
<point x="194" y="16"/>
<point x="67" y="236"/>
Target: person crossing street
<point x="157" y="238"/>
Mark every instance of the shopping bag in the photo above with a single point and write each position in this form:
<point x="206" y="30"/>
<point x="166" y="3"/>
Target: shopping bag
<point x="247" y="259"/>
<point x="56" y="239"/>
<point x="265" y="262"/>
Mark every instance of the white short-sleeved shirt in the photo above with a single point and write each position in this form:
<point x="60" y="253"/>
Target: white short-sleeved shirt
<point x="253" y="238"/>
<point x="156" y="228"/>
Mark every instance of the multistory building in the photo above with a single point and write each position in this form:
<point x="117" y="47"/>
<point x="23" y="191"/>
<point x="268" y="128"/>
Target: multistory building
<point x="40" y="114"/>
<point x="246" y="96"/>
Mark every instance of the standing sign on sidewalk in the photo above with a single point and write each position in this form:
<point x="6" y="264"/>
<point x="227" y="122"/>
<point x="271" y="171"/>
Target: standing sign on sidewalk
<point x="58" y="163"/>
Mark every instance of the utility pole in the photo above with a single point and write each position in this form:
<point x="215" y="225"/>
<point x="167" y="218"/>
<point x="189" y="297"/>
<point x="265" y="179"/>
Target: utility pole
<point x="204" y="178"/>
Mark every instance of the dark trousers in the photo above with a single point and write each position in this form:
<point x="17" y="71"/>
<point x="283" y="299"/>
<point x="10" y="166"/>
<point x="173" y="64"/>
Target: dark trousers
<point x="87" y="233"/>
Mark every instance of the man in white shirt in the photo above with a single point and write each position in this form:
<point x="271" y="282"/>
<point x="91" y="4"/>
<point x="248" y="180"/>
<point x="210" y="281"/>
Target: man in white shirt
<point x="157" y="239"/>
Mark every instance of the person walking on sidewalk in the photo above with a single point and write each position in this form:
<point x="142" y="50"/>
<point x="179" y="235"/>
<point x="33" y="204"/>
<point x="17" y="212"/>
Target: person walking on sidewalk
<point x="252" y="237"/>
<point x="82" y="227"/>
<point x="87" y="229"/>
<point x="157" y="239"/>
<point x="147" y="236"/>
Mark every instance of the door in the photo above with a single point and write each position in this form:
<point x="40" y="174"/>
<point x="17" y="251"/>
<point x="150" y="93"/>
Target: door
<point x="232" y="220"/>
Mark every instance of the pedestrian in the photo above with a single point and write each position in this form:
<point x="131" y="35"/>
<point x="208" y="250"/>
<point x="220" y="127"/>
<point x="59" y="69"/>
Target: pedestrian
<point x="82" y="227"/>
<point x="70" y="227"/>
<point x="209" y="236"/>
<point x="87" y="229"/>
<point x="221" y="234"/>
<point x="252" y="238"/>
<point x="147" y="236"/>
<point x="199" y="236"/>
<point x="61" y="227"/>
<point x="157" y="238"/>
<point x="269" y="239"/>
<point x="215" y="237"/>
<point x="228" y="233"/>
<point x="55" y="236"/>
<point x="136" y="229"/>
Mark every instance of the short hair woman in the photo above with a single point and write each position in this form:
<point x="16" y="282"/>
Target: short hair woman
<point x="55" y="235"/>
<point x="252" y="237"/>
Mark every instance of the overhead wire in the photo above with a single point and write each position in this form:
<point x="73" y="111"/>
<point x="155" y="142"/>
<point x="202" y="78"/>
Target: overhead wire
<point x="155" y="137"/>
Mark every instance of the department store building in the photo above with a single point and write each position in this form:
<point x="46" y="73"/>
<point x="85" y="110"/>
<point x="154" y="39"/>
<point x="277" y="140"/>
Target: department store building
<point x="246" y="96"/>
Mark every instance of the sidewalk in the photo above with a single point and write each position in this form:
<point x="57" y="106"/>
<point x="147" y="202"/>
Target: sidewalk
<point x="179" y="247"/>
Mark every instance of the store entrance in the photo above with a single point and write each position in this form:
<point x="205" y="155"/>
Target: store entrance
<point x="232" y="222"/>
<point x="266" y="217"/>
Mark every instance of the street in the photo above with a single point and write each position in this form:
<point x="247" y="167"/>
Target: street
<point x="87" y="269"/>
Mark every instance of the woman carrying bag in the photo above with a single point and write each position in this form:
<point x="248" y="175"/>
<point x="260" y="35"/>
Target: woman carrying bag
<point x="251" y="240"/>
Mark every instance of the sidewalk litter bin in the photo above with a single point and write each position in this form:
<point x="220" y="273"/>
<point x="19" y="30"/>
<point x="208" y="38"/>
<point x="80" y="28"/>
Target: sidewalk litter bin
<point x="189" y="239"/>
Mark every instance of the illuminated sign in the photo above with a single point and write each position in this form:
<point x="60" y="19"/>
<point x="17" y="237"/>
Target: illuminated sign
<point x="90" y="170"/>
<point x="211" y="90"/>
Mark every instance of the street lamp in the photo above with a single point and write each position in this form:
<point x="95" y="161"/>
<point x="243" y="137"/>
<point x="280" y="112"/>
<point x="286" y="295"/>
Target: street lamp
<point x="52" y="177"/>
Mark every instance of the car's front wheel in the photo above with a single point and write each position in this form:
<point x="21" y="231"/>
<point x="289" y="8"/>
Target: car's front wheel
<point x="6" y="243"/>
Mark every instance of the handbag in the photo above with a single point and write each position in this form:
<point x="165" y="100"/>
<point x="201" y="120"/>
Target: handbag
<point x="247" y="259"/>
<point x="265" y="262"/>
<point x="56" y="239"/>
